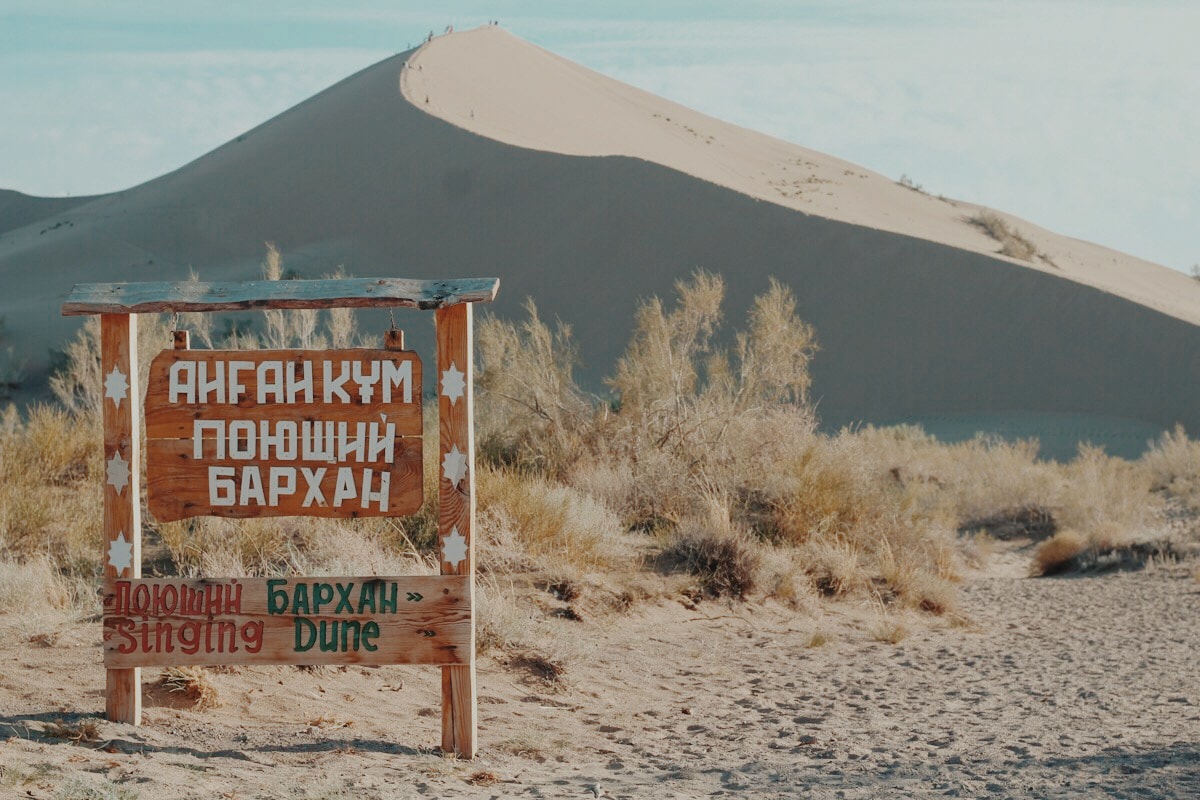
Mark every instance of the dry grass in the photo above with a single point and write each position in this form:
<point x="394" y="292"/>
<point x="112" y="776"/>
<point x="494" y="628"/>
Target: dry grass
<point x="192" y="684"/>
<point x="483" y="777"/>
<point x="531" y="523"/>
<point x="1012" y="243"/>
<point x="81" y="732"/>
<point x="818" y="638"/>
<point x="889" y="630"/>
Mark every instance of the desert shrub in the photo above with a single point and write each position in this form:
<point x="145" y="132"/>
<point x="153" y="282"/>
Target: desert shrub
<point x="1105" y="498"/>
<point x="694" y="421"/>
<point x="79" y="384"/>
<point x="857" y="530"/>
<point x="1056" y="554"/>
<point x="531" y="415"/>
<point x="1012" y="243"/>
<point x="724" y="560"/>
<point x="1172" y="465"/>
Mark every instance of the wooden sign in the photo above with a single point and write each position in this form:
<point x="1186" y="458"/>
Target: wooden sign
<point x="288" y="432"/>
<point x="373" y="620"/>
<point x="332" y="433"/>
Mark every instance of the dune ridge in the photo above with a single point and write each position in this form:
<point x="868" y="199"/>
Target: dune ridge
<point x="497" y="85"/>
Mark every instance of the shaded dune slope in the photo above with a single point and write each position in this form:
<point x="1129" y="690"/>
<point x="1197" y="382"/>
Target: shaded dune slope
<point x="18" y="210"/>
<point x="358" y="176"/>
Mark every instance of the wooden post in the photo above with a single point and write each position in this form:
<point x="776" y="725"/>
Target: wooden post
<point x="456" y="515"/>
<point x="122" y="498"/>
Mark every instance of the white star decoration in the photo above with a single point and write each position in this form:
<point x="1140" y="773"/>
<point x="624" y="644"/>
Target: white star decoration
<point x="116" y="386"/>
<point x="453" y="384"/>
<point x="120" y="554"/>
<point x="454" y="548"/>
<point x="454" y="464"/>
<point x="118" y="472"/>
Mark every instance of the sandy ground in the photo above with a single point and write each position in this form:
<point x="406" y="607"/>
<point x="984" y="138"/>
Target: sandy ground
<point x="1068" y="687"/>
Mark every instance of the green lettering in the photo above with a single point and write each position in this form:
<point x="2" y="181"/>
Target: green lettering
<point x="329" y="638"/>
<point x="277" y="599"/>
<point x="369" y="631"/>
<point x="366" y="597"/>
<point x="346" y="644"/>
<point x="343" y="590"/>
<point x="300" y="601"/>
<point x="322" y="595"/>
<point x="305" y="626"/>
<point x="386" y="603"/>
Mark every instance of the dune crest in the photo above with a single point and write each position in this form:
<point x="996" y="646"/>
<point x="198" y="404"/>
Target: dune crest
<point x="494" y="84"/>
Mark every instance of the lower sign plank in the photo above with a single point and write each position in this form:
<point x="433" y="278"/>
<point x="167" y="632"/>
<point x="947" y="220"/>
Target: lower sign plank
<point x="212" y="621"/>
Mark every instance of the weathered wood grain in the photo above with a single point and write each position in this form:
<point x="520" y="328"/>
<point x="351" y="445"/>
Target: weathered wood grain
<point x="178" y="484"/>
<point x="456" y="515"/>
<point x="171" y="420"/>
<point x="139" y="298"/>
<point x="175" y="621"/>
<point x="122" y="533"/>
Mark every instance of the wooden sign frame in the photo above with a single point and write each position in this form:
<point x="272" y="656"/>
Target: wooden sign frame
<point x="118" y="304"/>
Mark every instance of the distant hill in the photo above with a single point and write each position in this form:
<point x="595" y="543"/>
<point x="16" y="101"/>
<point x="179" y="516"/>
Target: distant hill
<point x="911" y="327"/>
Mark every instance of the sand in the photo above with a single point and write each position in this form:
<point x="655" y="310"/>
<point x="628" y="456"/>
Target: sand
<point x="1062" y="687"/>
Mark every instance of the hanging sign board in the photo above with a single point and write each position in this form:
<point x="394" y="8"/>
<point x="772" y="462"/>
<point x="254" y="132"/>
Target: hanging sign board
<point x="328" y="433"/>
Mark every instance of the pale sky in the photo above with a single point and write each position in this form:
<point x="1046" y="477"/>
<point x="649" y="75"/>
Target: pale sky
<point x="1083" y="117"/>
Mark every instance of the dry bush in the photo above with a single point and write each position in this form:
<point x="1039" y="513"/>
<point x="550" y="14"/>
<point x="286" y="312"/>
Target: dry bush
<point x="206" y="546"/>
<point x="725" y="561"/>
<point x="1056" y="554"/>
<point x="1004" y="489"/>
<point x="41" y="601"/>
<point x="530" y="416"/>
<point x="1012" y="243"/>
<point x="692" y="423"/>
<point x="1173" y="467"/>
<point x="1107" y="499"/>
<point x="695" y="422"/>
<point x="965" y="481"/>
<point x="191" y="684"/>
<point x="856" y="530"/>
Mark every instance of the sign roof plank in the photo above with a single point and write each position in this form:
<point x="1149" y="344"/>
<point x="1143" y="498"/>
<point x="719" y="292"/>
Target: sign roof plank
<point x="153" y="297"/>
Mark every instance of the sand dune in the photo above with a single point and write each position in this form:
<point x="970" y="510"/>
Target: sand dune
<point x="494" y="84"/>
<point x="918" y="320"/>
